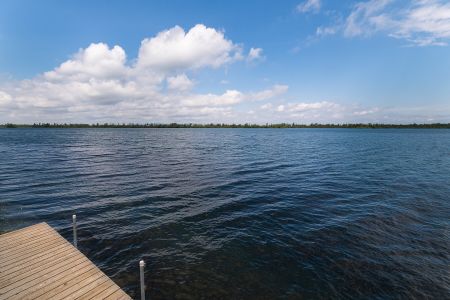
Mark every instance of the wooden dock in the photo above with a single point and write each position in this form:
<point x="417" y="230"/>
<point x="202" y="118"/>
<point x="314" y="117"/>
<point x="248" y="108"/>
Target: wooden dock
<point x="38" y="263"/>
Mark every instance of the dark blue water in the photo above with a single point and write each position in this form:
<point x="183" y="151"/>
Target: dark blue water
<point x="243" y="213"/>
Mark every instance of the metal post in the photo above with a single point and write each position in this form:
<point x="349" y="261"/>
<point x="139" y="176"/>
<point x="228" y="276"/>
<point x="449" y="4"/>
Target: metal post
<point x="74" y="219"/>
<point x="141" y="269"/>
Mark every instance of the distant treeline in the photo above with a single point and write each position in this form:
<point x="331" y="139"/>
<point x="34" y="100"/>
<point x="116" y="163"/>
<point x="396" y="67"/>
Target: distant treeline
<point x="222" y="125"/>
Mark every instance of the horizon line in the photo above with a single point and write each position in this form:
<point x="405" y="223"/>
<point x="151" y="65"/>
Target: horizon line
<point x="225" y="125"/>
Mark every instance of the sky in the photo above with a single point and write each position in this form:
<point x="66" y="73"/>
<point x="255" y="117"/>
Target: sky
<point x="312" y="61"/>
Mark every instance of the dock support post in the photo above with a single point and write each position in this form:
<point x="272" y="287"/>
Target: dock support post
<point x="74" y="219"/>
<point x="141" y="269"/>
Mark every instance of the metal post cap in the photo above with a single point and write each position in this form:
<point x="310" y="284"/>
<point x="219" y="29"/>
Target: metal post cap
<point x="141" y="263"/>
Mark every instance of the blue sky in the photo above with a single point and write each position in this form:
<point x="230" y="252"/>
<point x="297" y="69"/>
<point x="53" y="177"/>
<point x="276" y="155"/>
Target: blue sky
<point x="234" y="61"/>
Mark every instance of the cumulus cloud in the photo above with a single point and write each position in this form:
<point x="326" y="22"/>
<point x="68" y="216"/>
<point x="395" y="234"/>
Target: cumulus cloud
<point x="179" y="83"/>
<point x="176" y="49"/>
<point x="309" y="6"/>
<point x="230" y="97"/>
<point x="99" y="83"/>
<point x="419" y="22"/>
<point x="97" y="61"/>
<point x="6" y="102"/>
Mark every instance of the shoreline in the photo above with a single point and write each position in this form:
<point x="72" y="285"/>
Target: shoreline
<point x="212" y="125"/>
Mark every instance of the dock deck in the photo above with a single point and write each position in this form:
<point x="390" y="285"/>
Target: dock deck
<point x="36" y="262"/>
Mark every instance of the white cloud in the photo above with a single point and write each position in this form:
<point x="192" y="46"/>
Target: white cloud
<point x="419" y="22"/>
<point x="366" y="112"/>
<point x="334" y="112"/>
<point x="176" y="49"/>
<point x="266" y="106"/>
<point x="230" y="97"/>
<point x="97" y="61"/>
<point x="366" y="18"/>
<point x="6" y="103"/>
<point x="255" y="54"/>
<point x="309" y="6"/>
<point x="4" y="98"/>
<point x="322" y="112"/>
<point x="426" y="23"/>
<point x="308" y="111"/>
<point x="300" y="107"/>
<point x="179" y="83"/>
<point x="326" y="30"/>
<point x="99" y="83"/>
<point x="275" y="91"/>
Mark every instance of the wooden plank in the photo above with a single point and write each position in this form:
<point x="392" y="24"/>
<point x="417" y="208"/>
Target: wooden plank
<point x="119" y="294"/>
<point x="101" y="291"/>
<point x="21" y="238"/>
<point x="37" y="263"/>
<point x="43" y="265"/>
<point x="27" y="247"/>
<point x="81" y="287"/>
<point x="105" y="293"/>
<point x="60" y="283"/>
<point x="15" y="257"/>
<point x="7" y="235"/>
<point x="29" y="242"/>
<point x="30" y="288"/>
<point x="34" y="278"/>
<point x="28" y="266"/>
<point x="33" y="259"/>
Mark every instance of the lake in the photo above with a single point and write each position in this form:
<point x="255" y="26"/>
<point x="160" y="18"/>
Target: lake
<point x="242" y="213"/>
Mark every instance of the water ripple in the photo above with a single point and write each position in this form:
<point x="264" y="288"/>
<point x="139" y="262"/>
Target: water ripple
<point x="243" y="213"/>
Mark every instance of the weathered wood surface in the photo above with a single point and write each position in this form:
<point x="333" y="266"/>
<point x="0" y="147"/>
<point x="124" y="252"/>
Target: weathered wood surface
<point x="38" y="263"/>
